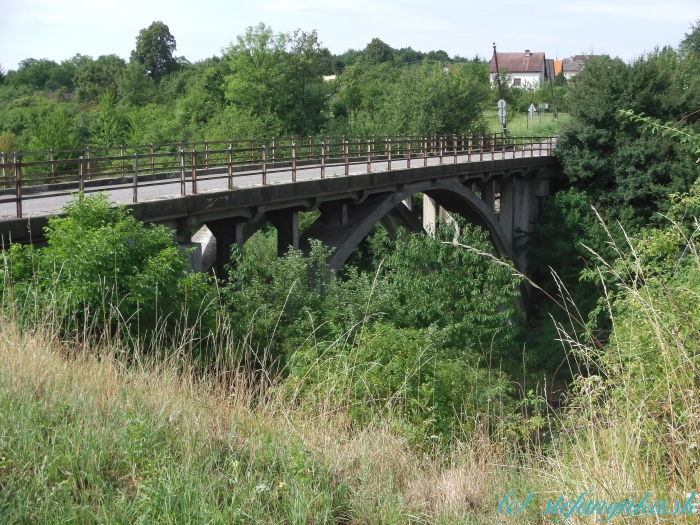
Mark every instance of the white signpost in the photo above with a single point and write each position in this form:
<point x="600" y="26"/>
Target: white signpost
<point x="502" y="112"/>
<point x="531" y="113"/>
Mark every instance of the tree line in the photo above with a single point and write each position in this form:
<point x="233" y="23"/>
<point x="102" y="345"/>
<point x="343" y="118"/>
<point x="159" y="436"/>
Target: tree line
<point x="263" y="84"/>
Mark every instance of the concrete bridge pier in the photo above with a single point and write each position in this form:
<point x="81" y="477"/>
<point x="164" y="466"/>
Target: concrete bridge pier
<point x="430" y="212"/>
<point x="228" y="233"/>
<point x="287" y="224"/>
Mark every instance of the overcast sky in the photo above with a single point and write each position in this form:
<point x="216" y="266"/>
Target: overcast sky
<point x="57" y="29"/>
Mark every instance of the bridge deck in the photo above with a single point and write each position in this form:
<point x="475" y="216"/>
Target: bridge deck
<point x="224" y="191"/>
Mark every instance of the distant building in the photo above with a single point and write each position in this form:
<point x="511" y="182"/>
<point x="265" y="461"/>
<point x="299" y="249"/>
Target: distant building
<point x="525" y="69"/>
<point x="574" y="65"/>
<point x="329" y="78"/>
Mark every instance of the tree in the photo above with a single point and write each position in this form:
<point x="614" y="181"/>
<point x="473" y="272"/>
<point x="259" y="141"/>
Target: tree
<point x="2" y="75"/>
<point x="691" y="43"/>
<point x="256" y="82"/>
<point x="305" y="65"/>
<point x="425" y="100"/>
<point x="53" y="131"/>
<point x="98" y="76"/>
<point x="107" y="126"/>
<point x="154" y="50"/>
<point x="135" y="87"/>
<point x="378" y="52"/>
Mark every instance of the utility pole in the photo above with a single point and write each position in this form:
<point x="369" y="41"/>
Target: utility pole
<point x="551" y="87"/>
<point x="500" y="91"/>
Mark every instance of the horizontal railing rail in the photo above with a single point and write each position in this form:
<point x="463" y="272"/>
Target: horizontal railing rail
<point x="40" y="174"/>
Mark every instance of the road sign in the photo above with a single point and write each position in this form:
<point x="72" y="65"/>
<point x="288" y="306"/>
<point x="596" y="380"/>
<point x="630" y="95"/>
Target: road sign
<point x="531" y="110"/>
<point x="501" y="112"/>
<point x="501" y="104"/>
<point x="502" y="120"/>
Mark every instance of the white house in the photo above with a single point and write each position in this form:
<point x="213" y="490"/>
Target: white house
<point x="524" y="69"/>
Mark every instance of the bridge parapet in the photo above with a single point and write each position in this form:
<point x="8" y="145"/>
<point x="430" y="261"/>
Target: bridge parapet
<point x="493" y="181"/>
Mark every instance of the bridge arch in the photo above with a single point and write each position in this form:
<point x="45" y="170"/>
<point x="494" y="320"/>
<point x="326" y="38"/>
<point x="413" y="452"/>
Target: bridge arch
<point x="345" y="236"/>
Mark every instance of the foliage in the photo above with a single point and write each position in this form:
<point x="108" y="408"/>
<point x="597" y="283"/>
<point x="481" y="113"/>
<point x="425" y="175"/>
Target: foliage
<point x="54" y="131"/>
<point x="154" y="50"/>
<point x="377" y="52"/>
<point x="104" y="270"/>
<point x="97" y="77"/>
<point x="108" y="125"/>
<point x="691" y="43"/>
<point x="427" y="100"/>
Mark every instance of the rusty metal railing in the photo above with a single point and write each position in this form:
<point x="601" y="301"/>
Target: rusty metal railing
<point x="61" y="172"/>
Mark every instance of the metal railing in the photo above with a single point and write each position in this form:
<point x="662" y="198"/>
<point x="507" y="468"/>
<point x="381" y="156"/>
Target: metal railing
<point x="60" y="172"/>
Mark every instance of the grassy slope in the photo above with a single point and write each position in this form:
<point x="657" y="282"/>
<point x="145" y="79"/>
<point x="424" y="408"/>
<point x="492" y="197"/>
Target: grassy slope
<point x="84" y="440"/>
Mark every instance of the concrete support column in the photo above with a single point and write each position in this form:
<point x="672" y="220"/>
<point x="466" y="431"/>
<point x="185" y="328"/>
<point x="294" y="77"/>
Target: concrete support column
<point x="429" y="214"/>
<point x="194" y="257"/>
<point x="409" y="203"/>
<point x="287" y="224"/>
<point x="488" y="193"/>
<point x="506" y="207"/>
<point x="335" y="213"/>
<point x="228" y="232"/>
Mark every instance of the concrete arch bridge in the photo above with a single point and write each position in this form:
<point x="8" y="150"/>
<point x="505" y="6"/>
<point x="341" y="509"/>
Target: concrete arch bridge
<point x="234" y="187"/>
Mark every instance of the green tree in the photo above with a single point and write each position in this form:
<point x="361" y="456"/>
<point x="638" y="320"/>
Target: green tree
<point x="427" y="100"/>
<point x="378" y="52"/>
<point x="128" y="275"/>
<point x="98" y="76"/>
<point x="135" y="87"/>
<point x="305" y="65"/>
<point x="256" y="61"/>
<point x="691" y="43"/>
<point x="53" y="131"/>
<point x="154" y="50"/>
<point x="108" y="126"/>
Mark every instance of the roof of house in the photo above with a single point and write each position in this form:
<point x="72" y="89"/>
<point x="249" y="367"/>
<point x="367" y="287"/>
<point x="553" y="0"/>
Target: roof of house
<point x="519" y="62"/>
<point x="569" y="65"/>
<point x="557" y="67"/>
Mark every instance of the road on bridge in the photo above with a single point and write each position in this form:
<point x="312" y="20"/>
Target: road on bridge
<point x="48" y="202"/>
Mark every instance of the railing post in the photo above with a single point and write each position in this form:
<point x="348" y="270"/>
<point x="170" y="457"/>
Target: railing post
<point x="135" y="197"/>
<point x="153" y="163"/>
<point x="532" y="148"/>
<point x="273" y="149"/>
<point x="206" y="154"/>
<point x="424" y="141"/>
<point x="388" y="147"/>
<point x="294" y="162"/>
<point x="369" y="157"/>
<point x="441" y="148"/>
<point x="4" y="172"/>
<point x="18" y="185"/>
<point x="181" y="155"/>
<point x="503" y="146"/>
<point x="408" y="153"/>
<point x="346" y="147"/>
<point x="252" y="152"/>
<point x="194" y="172"/>
<point x="469" y="149"/>
<point x="121" y="159"/>
<point x="311" y="147"/>
<point x="87" y="155"/>
<point x="52" y="166"/>
<point x="263" y="165"/>
<point x="81" y="173"/>
<point x="323" y="159"/>
<point x="481" y="147"/>
<point x="229" y="164"/>
<point x="454" y="145"/>
<point x="373" y="146"/>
